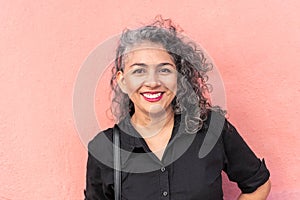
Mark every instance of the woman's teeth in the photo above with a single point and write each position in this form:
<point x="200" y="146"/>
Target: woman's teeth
<point x="152" y="96"/>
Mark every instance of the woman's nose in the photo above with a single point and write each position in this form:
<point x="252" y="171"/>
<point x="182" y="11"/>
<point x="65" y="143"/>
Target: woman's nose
<point x="152" y="80"/>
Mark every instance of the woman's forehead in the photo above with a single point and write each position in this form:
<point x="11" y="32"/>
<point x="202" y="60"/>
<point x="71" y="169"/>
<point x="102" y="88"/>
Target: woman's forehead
<point x="146" y="52"/>
<point x="144" y="46"/>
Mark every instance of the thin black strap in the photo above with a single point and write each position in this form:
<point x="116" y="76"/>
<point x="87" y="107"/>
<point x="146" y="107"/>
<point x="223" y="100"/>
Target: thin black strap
<point x="117" y="163"/>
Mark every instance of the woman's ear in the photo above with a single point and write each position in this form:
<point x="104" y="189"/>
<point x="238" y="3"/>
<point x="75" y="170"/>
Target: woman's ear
<point x="121" y="81"/>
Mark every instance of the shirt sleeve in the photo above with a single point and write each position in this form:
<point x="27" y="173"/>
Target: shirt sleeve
<point x="241" y="164"/>
<point x="94" y="190"/>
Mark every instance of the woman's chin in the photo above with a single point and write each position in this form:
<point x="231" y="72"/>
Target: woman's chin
<point x="158" y="110"/>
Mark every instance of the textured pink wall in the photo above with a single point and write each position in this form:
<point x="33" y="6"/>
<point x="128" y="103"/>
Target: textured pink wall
<point x="255" y="44"/>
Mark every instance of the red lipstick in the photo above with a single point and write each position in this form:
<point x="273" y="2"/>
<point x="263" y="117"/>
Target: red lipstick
<point x="152" y="96"/>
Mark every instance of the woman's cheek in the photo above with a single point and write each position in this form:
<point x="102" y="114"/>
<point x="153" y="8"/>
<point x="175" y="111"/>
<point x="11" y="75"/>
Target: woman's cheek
<point x="133" y="86"/>
<point x="171" y="84"/>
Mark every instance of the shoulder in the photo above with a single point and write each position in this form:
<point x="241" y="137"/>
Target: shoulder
<point x="215" y="122"/>
<point x="216" y="119"/>
<point x="101" y="137"/>
<point x="100" y="147"/>
<point x="218" y="128"/>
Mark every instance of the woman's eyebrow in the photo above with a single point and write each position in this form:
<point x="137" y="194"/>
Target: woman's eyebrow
<point x="165" y="63"/>
<point x="145" y="65"/>
<point x="139" y="64"/>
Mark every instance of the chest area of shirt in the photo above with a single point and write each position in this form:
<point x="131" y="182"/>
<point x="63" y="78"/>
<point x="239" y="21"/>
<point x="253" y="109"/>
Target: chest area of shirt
<point x="180" y="175"/>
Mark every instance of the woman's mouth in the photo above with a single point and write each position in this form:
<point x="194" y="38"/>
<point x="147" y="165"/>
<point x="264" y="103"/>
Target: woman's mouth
<point x="152" y="96"/>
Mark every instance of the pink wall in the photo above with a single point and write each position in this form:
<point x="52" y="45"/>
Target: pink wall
<point x="256" y="46"/>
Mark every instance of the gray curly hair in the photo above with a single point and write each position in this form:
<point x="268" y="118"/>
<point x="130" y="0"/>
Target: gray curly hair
<point x="191" y="64"/>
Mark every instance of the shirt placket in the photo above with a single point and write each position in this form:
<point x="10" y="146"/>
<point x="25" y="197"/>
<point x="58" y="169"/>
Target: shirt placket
<point x="164" y="183"/>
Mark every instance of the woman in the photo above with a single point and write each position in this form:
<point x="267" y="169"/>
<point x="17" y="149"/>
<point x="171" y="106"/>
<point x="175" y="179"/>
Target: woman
<point x="174" y="144"/>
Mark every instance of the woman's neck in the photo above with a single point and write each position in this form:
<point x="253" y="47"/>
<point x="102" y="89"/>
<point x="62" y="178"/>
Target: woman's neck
<point x="152" y="125"/>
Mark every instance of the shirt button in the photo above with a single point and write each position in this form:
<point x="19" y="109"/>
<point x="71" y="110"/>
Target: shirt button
<point x="165" y="193"/>
<point x="162" y="169"/>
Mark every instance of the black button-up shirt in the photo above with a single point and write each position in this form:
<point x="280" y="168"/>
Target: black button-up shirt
<point x="190" y="167"/>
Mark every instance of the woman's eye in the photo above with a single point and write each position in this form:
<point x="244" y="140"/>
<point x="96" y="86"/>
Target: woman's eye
<point x="165" y="70"/>
<point x="139" y="71"/>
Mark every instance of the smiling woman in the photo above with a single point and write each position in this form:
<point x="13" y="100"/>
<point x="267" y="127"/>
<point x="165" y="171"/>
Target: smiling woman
<point x="165" y="120"/>
<point x="190" y="62"/>
<point x="149" y="78"/>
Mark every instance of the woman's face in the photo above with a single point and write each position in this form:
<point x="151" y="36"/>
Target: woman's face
<point x="149" y="78"/>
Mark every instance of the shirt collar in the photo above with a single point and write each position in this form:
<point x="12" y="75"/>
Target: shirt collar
<point x="132" y="140"/>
